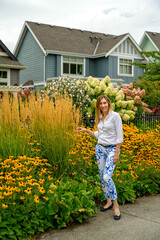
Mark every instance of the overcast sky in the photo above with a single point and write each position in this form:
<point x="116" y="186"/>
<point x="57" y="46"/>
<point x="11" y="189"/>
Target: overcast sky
<point x="105" y="16"/>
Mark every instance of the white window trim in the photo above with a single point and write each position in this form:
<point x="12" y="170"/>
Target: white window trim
<point x="8" y="79"/>
<point x="4" y="54"/>
<point x="130" y="56"/>
<point x="123" y="74"/>
<point x="73" y="75"/>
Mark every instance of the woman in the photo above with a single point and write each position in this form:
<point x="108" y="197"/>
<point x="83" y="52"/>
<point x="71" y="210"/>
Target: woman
<point x="110" y="137"/>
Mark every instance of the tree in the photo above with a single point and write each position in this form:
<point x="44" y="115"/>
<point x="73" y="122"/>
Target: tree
<point x="152" y="68"/>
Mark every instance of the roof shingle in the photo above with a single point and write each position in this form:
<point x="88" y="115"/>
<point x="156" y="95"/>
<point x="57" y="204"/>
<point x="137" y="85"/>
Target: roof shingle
<point x="155" y="38"/>
<point x="55" y="38"/>
<point x="9" y="61"/>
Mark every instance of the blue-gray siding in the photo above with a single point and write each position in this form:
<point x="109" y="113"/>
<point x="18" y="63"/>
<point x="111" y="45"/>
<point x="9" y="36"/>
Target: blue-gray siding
<point x="102" y="67"/>
<point x="15" y="77"/>
<point x="53" y="66"/>
<point x="32" y="56"/>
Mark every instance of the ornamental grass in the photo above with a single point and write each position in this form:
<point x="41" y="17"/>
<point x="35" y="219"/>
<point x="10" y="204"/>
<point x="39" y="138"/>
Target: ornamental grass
<point x="53" y="124"/>
<point x="13" y="136"/>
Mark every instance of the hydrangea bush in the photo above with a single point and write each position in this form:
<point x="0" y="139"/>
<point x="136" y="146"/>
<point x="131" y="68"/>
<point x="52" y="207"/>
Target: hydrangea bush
<point x="126" y="100"/>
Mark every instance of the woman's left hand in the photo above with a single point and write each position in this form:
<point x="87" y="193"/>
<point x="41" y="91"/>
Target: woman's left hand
<point x="116" y="158"/>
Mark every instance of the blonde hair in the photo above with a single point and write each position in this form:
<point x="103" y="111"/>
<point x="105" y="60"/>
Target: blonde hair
<point x="98" y="111"/>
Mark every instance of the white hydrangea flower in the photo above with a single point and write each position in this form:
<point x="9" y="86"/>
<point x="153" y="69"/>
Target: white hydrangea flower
<point x="113" y="106"/>
<point x="97" y="90"/>
<point x="95" y="82"/>
<point x="106" y="80"/>
<point x="90" y="80"/>
<point x="119" y="103"/>
<point x="93" y="103"/>
<point x="125" y="117"/>
<point x="102" y="86"/>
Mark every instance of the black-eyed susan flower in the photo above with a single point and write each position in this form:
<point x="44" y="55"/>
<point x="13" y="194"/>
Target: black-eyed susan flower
<point x="22" y="197"/>
<point x="36" y="198"/>
<point x="4" y="205"/>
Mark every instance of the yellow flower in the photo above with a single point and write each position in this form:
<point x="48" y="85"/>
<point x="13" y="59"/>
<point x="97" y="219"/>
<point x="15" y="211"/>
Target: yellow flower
<point x="46" y="198"/>
<point x="50" y="178"/>
<point x="41" y="190"/>
<point x="28" y="191"/>
<point x="29" y="177"/>
<point x="51" y="191"/>
<point x="36" y="198"/>
<point x="53" y="185"/>
<point x="4" y="205"/>
<point x="41" y="181"/>
<point x="22" y="197"/>
<point x="43" y="170"/>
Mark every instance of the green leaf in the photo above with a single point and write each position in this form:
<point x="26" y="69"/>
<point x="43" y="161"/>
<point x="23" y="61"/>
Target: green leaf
<point x="18" y="231"/>
<point x="61" y="223"/>
<point x="40" y="229"/>
<point x="76" y="203"/>
<point x="53" y="208"/>
<point x="3" y="231"/>
<point x="85" y="201"/>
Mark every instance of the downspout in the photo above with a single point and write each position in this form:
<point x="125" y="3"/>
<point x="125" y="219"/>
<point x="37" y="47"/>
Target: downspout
<point x="44" y="68"/>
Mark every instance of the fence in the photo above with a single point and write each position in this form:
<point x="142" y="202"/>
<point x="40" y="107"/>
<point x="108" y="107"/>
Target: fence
<point x="148" y="120"/>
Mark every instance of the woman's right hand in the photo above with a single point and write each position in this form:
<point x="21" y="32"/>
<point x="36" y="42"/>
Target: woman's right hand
<point x="80" y="129"/>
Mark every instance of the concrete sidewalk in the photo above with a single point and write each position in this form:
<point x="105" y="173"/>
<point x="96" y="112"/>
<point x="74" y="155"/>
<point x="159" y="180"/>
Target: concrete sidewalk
<point x="140" y="221"/>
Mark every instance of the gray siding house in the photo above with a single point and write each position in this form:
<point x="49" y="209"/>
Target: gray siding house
<point x="9" y="67"/>
<point x="49" y="51"/>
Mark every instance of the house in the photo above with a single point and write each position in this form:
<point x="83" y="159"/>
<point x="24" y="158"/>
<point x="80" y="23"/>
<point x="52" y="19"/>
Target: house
<point x="150" y="41"/>
<point x="9" y="67"/>
<point x="49" y="51"/>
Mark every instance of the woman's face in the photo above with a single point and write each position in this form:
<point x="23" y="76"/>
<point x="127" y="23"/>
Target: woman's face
<point x="104" y="106"/>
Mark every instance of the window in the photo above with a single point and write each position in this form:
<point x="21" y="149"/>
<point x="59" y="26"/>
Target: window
<point x="3" y="77"/>
<point x="3" y="74"/>
<point x="73" y="65"/>
<point x="125" y="67"/>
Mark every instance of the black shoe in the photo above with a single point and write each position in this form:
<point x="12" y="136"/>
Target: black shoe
<point x="102" y="209"/>
<point x="117" y="217"/>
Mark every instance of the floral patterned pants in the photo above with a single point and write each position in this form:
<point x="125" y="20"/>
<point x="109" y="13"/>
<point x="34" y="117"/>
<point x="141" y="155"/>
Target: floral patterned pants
<point x="106" y="166"/>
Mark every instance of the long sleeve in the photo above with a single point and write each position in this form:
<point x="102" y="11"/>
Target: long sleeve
<point x="96" y="134"/>
<point x="119" y="129"/>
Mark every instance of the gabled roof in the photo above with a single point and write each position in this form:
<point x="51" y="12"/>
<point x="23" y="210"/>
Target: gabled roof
<point x="55" y="39"/>
<point x="7" y="59"/>
<point x="6" y="50"/>
<point x="154" y="37"/>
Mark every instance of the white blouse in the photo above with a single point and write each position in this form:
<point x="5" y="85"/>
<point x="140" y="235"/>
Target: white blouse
<point x="110" y="132"/>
